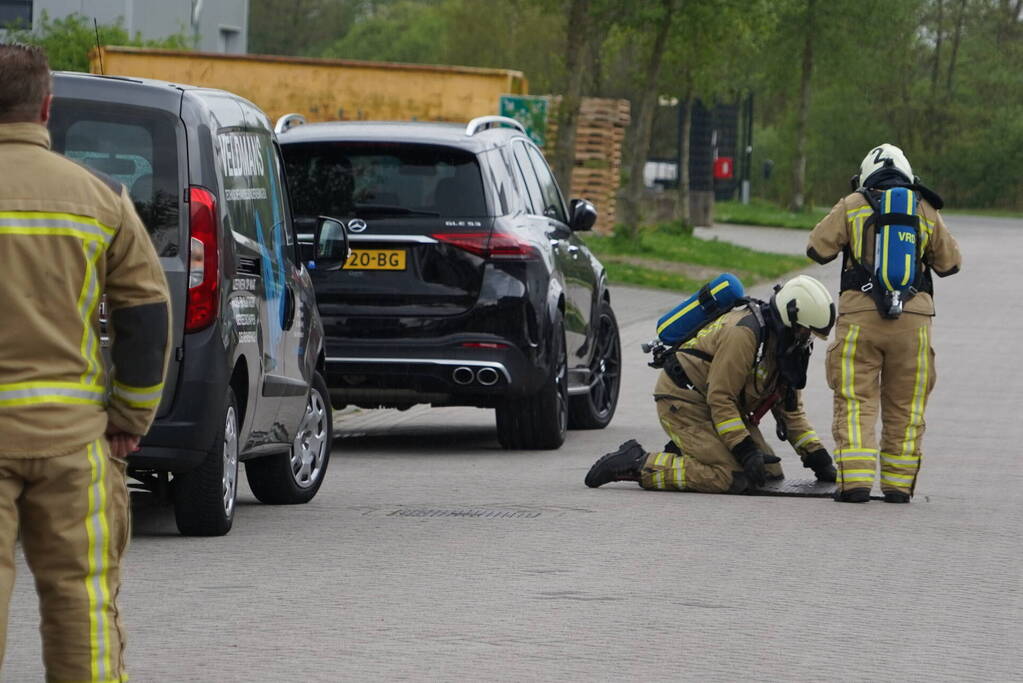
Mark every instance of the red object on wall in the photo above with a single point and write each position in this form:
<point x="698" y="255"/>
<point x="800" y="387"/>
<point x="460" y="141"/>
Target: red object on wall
<point x="724" y="168"/>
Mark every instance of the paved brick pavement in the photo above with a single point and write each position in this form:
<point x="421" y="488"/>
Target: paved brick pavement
<point x="432" y="555"/>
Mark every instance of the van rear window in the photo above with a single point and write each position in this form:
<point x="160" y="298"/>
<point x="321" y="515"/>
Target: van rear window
<point x="135" y="146"/>
<point x="392" y="179"/>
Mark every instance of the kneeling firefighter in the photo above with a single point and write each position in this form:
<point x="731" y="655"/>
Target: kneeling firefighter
<point x="714" y="388"/>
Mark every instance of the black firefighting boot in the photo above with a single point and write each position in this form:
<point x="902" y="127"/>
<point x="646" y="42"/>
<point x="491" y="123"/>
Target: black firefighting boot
<point x="625" y="464"/>
<point x="860" y="495"/>
<point x="896" y="497"/>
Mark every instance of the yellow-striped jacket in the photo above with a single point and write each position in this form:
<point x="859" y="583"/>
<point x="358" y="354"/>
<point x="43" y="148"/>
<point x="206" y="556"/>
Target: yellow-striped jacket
<point x="845" y="227"/>
<point x="68" y="236"/>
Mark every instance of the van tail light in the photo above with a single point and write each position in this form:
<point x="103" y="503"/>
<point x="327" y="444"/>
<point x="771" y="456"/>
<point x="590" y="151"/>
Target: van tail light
<point x="497" y="246"/>
<point x="203" y="260"/>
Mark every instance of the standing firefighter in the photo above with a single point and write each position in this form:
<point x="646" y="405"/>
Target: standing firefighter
<point x="891" y="237"/>
<point x="68" y="236"/>
<point x="714" y="389"/>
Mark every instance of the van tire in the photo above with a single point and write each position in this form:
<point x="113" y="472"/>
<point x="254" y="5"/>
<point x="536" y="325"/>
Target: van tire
<point x="275" y="479"/>
<point x="205" y="498"/>
<point x="539" y="422"/>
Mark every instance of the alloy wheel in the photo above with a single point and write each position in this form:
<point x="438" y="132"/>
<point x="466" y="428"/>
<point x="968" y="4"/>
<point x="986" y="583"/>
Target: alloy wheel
<point x="310" y="447"/>
<point x="605" y="369"/>
<point x="230" y="478"/>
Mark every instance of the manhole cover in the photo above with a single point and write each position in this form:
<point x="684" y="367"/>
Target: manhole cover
<point x="465" y="513"/>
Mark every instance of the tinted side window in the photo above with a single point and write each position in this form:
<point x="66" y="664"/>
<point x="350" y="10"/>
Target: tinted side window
<point x="553" y="206"/>
<point x="255" y="205"/>
<point x="529" y="178"/>
<point x="136" y="147"/>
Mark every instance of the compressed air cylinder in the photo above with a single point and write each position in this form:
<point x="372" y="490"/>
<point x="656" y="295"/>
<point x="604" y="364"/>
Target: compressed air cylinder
<point x="897" y="239"/>
<point x="714" y="298"/>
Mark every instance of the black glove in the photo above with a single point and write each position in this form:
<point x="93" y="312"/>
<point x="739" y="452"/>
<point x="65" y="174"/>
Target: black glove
<point x="820" y="462"/>
<point x="752" y="460"/>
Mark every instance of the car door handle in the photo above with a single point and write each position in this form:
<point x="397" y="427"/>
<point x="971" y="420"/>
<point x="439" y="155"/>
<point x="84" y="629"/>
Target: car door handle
<point x="289" y="307"/>
<point x="573" y="250"/>
<point x="556" y="244"/>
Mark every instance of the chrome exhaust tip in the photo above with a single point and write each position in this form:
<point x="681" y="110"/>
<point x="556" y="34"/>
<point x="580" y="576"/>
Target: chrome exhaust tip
<point x="462" y="375"/>
<point x="487" y="376"/>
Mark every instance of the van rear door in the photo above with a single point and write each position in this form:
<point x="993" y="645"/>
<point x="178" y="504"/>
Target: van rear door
<point x="104" y="127"/>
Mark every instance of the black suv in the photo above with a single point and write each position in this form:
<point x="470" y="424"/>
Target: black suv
<point x="467" y="283"/>
<point x="245" y="376"/>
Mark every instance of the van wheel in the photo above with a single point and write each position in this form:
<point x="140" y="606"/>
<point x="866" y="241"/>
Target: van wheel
<point x="539" y="422"/>
<point x="595" y="408"/>
<point x="295" y="477"/>
<point x="205" y="497"/>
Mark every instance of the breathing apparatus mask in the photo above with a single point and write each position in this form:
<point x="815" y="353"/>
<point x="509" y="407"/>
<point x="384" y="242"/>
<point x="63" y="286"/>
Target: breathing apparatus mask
<point x="792" y="346"/>
<point x="799" y="310"/>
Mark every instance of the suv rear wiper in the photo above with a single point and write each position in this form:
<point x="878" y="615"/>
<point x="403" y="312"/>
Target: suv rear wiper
<point x="380" y="209"/>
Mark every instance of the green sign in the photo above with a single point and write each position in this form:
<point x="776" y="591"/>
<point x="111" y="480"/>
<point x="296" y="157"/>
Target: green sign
<point x="530" y="111"/>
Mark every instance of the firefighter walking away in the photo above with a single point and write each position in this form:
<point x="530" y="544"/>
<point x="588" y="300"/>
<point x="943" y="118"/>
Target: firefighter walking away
<point x="892" y="238"/>
<point x="67" y="237"/>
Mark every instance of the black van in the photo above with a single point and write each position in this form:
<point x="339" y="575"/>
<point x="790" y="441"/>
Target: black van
<point x="245" y="381"/>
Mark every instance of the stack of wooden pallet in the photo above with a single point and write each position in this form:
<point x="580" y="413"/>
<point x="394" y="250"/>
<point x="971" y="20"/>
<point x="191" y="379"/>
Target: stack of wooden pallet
<point x="599" y="137"/>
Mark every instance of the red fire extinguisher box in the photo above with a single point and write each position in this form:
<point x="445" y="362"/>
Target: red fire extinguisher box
<point x="724" y="168"/>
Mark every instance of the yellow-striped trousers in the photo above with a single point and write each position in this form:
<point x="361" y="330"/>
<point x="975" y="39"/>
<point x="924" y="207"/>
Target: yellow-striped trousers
<point x="74" y="524"/>
<point x="880" y="368"/>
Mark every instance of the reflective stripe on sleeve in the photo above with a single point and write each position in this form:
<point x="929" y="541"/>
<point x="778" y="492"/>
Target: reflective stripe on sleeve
<point x="137" y="397"/>
<point x="729" y="426"/>
<point x="30" y="393"/>
<point x="804" y="438"/>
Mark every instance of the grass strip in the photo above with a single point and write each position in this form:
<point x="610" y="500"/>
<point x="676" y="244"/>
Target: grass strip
<point x="760" y="212"/>
<point x="665" y="257"/>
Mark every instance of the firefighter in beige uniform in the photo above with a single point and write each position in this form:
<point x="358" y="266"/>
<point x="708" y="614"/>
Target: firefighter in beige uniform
<point x="878" y="363"/>
<point x="68" y="236"/>
<point x="712" y="392"/>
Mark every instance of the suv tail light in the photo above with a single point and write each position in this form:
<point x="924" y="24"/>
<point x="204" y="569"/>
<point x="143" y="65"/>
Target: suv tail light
<point x="497" y="246"/>
<point x="203" y="260"/>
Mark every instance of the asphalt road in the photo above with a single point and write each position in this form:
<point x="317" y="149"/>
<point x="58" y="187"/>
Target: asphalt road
<point x="431" y="554"/>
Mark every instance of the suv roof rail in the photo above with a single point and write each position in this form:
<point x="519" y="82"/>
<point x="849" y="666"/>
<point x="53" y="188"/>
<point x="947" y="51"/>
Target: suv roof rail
<point x="287" y="122"/>
<point x="483" y="122"/>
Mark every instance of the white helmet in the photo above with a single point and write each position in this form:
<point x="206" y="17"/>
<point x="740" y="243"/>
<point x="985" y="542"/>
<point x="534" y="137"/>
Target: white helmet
<point x="883" y="157"/>
<point x="805" y="302"/>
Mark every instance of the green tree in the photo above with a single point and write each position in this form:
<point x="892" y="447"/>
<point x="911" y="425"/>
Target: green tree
<point x="657" y="18"/>
<point x="275" y="24"/>
<point x="67" y="41"/>
<point x="405" y="31"/>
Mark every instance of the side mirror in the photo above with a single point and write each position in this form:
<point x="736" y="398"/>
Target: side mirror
<point x="330" y="244"/>
<point x="584" y="215"/>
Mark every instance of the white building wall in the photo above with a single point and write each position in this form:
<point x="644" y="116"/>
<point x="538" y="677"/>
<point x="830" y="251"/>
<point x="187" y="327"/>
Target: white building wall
<point x="221" y="26"/>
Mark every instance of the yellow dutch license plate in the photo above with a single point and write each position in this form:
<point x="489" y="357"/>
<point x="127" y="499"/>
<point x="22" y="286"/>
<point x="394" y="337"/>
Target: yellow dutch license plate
<point x="376" y="259"/>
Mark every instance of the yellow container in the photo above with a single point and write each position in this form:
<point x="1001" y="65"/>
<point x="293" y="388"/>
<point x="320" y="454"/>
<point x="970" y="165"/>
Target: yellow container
<point x="325" y="89"/>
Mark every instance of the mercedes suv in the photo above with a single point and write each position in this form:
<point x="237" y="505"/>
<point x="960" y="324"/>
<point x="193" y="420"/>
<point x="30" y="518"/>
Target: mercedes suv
<point x="467" y="283"/>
